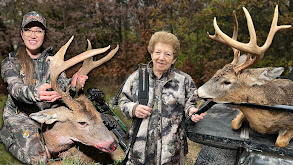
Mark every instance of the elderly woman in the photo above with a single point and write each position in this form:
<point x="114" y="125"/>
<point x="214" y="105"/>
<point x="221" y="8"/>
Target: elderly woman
<point x="172" y="96"/>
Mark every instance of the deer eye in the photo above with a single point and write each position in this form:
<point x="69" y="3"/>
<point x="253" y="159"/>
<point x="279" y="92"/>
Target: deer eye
<point x="83" y="124"/>
<point x="227" y="82"/>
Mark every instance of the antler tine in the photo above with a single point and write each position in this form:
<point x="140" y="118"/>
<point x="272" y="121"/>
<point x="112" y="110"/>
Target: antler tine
<point x="217" y="38"/>
<point x="59" y="56"/>
<point x="85" y="63"/>
<point x="251" y="47"/>
<point x="89" y="45"/>
<point x="234" y="37"/>
<point x="236" y="44"/>
<point x="248" y="62"/>
<point x="58" y="65"/>
<point x="89" y="64"/>
<point x="274" y="29"/>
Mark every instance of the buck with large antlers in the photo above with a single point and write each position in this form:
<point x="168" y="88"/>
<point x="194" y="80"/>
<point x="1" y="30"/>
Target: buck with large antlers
<point x="78" y="121"/>
<point x="235" y="83"/>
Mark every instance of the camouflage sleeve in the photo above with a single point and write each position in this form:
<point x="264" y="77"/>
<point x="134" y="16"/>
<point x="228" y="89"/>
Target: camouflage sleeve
<point x="127" y="103"/>
<point x="64" y="82"/>
<point x="191" y="94"/>
<point x="16" y="87"/>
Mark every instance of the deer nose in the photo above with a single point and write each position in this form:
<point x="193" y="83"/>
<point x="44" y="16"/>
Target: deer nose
<point x="108" y="146"/>
<point x="113" y="146"/>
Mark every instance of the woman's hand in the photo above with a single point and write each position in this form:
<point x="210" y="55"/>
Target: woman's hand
<point x="80" y="78"/>
<point x="49" y="96"/>
<point x="142" y="111"/>
<point x="196" y="117"/>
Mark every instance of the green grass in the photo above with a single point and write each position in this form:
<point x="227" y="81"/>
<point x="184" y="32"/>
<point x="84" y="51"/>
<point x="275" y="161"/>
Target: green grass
<point x="3" y="99"/>
<point x="76" y="161"/>
<point x="71" y="161"/>
<point x="6" y="157"/>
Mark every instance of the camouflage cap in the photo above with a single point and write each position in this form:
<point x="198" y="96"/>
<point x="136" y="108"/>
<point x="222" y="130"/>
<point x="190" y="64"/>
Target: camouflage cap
<point x="33" y="16"/>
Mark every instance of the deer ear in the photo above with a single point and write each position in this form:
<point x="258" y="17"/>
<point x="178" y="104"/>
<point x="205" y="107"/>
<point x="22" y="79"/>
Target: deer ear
<point x="50" y="116"/>
<point x="43" y="117"/>
<point x="271" y="73"/>
<point x="261" y="76"/>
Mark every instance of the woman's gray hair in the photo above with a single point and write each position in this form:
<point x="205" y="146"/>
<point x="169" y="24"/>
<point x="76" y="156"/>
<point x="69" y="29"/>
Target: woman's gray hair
<point x="167" y="38"/>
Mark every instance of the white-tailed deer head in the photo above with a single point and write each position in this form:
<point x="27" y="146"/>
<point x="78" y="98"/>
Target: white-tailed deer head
<point x="79" y="121"/>
<point x="236" y="83"/>
<point x="229" y="78"/>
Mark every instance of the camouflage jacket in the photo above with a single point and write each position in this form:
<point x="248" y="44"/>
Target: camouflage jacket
<point x="22" y="98"/>
<point x="170" y="97"/>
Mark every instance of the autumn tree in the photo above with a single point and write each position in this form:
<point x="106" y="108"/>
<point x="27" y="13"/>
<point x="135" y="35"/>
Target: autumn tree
<point x="130" y="23"/>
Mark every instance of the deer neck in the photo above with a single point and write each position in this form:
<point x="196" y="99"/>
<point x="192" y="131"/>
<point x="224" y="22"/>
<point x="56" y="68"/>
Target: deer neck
<point x="239" y="95"/>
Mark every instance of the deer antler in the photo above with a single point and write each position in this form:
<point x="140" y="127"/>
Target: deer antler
<point x="217" y="38"/>
<point x="251" y="47"/>
<point x="58" y="65"/>
<point x="89" y="64"/>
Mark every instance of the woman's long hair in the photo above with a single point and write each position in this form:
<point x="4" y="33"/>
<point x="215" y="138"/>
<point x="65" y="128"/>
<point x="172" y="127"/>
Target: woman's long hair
<point x="26" y="64"/>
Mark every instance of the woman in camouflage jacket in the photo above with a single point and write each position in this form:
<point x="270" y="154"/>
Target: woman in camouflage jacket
<point x="26" y="73"/>
<point x="172" y="96"/>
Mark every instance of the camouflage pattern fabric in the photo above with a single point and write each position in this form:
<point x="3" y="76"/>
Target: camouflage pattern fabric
<point x="20" y="134"/>
<point x="32" y="17"/>
<point x="22" y="139"/>
<point x="170" y="97"/>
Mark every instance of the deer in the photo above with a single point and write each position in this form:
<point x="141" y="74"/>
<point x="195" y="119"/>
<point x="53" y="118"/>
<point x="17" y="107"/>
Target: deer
<point x="78" y="121"/>
<point x="237" y="83"/>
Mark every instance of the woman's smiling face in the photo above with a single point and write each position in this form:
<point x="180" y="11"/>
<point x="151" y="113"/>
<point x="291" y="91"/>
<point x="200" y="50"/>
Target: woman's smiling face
<point x="33" y="38"/>
<point x="162" y="57"/>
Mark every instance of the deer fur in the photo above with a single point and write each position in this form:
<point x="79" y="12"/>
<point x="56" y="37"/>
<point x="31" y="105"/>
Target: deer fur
<point x="235" y="83"/>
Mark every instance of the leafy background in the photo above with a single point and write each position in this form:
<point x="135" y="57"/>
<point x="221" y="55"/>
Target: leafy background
<point x="130" y="23"/>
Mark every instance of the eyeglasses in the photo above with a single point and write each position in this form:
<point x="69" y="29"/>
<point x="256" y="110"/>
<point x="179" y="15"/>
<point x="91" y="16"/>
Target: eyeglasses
<point x="28" y="32"/>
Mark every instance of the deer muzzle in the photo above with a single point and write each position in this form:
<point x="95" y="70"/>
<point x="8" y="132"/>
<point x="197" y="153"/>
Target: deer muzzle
<point x="108" y="146"/>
